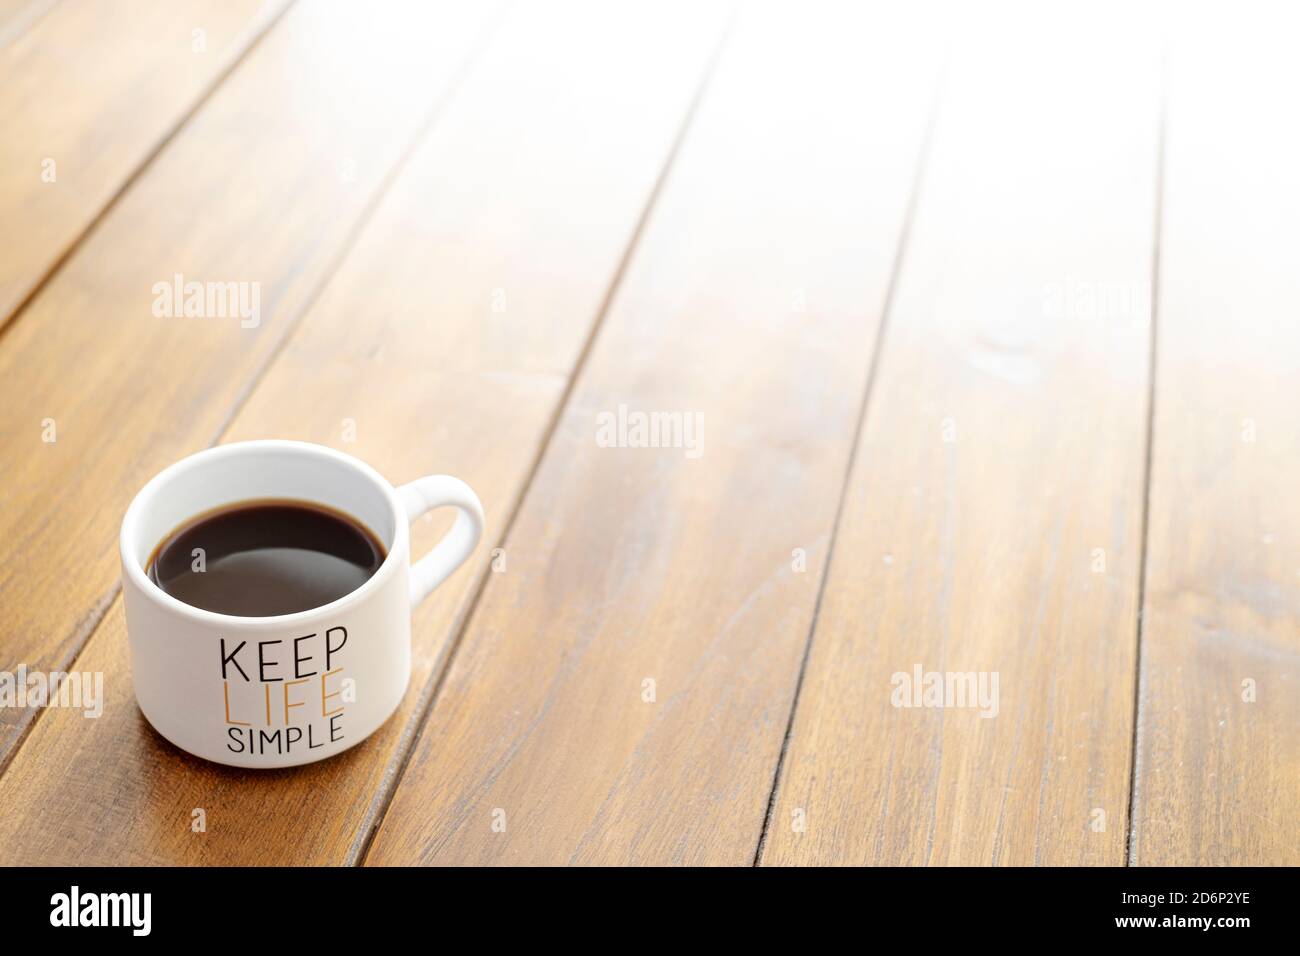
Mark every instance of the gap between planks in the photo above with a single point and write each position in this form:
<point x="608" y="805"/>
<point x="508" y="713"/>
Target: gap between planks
<point x="1139" y="681"/>
<point x="370" y="828"/>
<point x="878" y="346"/>
<point x="238" y="56"/>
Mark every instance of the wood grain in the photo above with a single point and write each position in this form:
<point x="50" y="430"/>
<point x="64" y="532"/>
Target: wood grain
<point x="265" y="185"/>
<point x="79" y="115"/>
<point x="751" y="300"/>
<point x="1218" y="758"/>
<point x="477" y="232"/>
<point x="993" y="517"/>
<point x="444" y="342"/>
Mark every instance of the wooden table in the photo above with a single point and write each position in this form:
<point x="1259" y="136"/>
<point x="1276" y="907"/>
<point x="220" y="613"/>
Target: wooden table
<point x="984" y="328"/>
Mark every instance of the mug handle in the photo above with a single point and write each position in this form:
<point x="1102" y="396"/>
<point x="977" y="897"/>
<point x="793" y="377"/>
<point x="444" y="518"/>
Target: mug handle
<point x="439" y="491"/>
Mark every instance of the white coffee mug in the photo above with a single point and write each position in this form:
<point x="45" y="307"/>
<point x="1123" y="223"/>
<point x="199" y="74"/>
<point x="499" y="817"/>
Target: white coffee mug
<point x="295" y="688"/>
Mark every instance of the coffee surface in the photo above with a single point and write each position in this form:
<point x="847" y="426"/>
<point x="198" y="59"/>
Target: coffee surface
<point x="263" y="558"/>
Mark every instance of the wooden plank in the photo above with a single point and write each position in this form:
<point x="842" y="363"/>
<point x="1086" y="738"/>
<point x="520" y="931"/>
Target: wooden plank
<point x="1218" y="758"/>
<point x="88" y="93"/>
<point x="992" y="522"/>
<point x="406" y="348"/>
<point x="264" y="186"/>
<point x="752" y="301"/>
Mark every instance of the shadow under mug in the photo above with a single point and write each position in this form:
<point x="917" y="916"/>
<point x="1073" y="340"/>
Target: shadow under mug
<point x="294" y="688"/>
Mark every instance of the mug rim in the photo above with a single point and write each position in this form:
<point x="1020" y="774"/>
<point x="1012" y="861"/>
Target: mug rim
<point x="131" y="520"/>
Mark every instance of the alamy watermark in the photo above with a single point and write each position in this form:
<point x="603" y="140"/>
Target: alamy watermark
<point x="946" y="689"/>
<point x="627" y="428"/>
<point x="1074" y="298"/>
<point x="79" y="690"/>
<point x="208" y="300"/>
<point x="131" y="910"/>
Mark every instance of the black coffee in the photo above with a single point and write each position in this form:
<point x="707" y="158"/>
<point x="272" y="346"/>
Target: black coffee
<point x="262" y="558"/>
